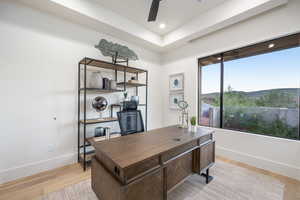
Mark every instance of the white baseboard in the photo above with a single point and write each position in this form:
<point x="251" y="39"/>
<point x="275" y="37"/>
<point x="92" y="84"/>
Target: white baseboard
<point x="36" y="167"/>
<point x="269" y="165"/>
<point x="44" y="165"/>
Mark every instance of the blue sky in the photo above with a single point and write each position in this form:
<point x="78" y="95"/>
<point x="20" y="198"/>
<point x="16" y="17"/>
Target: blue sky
<point x="280" y="69"/>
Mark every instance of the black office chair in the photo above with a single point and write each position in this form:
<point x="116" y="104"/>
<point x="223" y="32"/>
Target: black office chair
<point x="130" y="122"/>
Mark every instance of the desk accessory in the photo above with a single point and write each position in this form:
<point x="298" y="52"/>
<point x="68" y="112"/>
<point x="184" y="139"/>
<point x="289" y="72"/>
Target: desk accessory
<point x="96" y="80"/>
<point x="125" y="94"/>
<point x="184" y="115"/>
<point x="135" y="99"/>
<point x="99" y="131"/>
<point x="100" y="104"/>
<point x="193" y="124"/>
<point x="106" y="84"/>
<point x="113" y="84"/>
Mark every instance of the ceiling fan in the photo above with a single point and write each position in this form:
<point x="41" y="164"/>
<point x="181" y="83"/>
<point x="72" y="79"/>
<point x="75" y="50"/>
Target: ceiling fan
<point x="153" y="10"/>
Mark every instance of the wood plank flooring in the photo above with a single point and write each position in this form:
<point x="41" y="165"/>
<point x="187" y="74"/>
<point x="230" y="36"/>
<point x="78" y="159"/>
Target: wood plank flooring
<point x="33" y="187"/>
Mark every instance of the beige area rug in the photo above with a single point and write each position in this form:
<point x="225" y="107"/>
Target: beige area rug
<point x="230" y="183"/>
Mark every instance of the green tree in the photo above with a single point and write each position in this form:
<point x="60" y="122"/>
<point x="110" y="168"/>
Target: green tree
<point x="277" y="99"/>
<point x="237" y="116"/>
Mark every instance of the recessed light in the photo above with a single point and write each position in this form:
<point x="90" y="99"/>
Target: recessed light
<point x="271" y="45"/>
<point x="162" y="26"/>
<point x="219" y="58"/>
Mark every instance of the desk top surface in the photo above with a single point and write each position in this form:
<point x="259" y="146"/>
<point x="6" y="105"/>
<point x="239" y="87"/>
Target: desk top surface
<point x="131" y="149"/>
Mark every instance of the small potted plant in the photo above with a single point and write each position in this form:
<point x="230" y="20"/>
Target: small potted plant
<point x="193" y="124"/>
<point x="125" y="95"/>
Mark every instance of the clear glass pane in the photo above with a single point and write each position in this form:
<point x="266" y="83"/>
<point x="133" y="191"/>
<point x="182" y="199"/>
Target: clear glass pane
<point x="261" y="94"/>
<point x="210" y="96"/>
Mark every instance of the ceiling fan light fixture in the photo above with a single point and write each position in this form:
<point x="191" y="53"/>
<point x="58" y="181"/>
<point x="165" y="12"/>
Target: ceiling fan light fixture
<point x="162" y="26"/>
<point x="271" y="45"/>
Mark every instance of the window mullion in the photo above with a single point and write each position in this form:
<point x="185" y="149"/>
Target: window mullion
<point x="221" y="90"/>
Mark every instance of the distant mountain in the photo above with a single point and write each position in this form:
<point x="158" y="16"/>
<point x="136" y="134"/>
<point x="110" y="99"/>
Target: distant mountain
<point x="257" y="94"/>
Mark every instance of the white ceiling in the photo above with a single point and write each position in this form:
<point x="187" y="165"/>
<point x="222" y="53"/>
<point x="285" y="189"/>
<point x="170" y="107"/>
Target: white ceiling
<point x="173" y="13"/>
<point x="186" y="20"/>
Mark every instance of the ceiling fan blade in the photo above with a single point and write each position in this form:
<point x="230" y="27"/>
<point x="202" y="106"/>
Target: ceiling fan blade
<point x="153" y="10"/>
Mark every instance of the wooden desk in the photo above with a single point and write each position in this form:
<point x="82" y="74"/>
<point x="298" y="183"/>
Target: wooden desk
<point x="148" y="165"/>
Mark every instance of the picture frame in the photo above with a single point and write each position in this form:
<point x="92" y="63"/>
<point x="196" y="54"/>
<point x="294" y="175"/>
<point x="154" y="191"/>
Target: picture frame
<point x="176" y="82"/>
<point x="174" y="98"/>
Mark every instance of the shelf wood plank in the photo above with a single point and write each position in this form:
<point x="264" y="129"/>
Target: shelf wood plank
<point x="88" y="157"/>
<point x="93" y="140"/>
<point x="102" y="120"/>
<point x="121" y="104"/>
<point x="131" y="84"/>
<point x="108" y="65"/>
<point x="101" y="91"/>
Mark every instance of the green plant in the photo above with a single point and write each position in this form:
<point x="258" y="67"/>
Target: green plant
<point x="193" y="121"/>
<point x="125" y="94"/>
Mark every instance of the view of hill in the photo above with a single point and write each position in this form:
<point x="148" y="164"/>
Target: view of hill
<point x="259" y="93"/>
<point x="280" y="97"/>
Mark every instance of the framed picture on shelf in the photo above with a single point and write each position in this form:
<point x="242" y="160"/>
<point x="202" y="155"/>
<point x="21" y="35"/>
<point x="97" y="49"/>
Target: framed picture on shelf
<point x="174" y="99"/>
<point x="176" y="82"/>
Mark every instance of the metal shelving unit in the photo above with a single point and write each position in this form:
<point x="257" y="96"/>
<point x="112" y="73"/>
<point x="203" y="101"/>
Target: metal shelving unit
<point x="83" y="122"/>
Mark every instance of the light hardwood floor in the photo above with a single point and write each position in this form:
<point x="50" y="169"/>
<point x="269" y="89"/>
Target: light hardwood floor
<point x="34" y="187"/>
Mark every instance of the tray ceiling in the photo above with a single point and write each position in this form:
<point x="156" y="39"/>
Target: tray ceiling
<point x="186" y="20"/>
<point x="174" y="13"/>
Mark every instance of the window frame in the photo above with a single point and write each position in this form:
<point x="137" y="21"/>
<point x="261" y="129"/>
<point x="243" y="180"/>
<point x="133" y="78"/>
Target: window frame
<point x="221" y="60"/>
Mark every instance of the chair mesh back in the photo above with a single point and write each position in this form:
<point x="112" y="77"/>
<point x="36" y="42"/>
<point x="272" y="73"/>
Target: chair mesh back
<point x="130" y="122"/>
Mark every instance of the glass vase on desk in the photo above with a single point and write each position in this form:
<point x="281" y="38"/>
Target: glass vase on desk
<point x="183" y="120"/>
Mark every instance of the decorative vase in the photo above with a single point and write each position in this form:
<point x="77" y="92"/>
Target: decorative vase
<point x="183" y="119"/>
<point x="135" y="99"/>
<point x="106" y="84"/>
<point x="113" y="84"/>
<point x="99" y="131"/>
<point x="96" y="80"/>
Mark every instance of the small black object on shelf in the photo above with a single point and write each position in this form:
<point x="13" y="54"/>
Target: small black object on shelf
<point x="106" y="84"/>
<point x="100" y="131"/>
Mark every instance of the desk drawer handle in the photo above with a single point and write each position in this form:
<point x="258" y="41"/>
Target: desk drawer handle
<point x="180" y="155"/>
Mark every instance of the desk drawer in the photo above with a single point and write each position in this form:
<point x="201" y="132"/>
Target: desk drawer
<point x="206" y="138"/>
<point x="178" y="170"/>
<point x="149" y="187"/>
<point x="141" y="168"/>
<point x="207" y="155"/>
<point x="181" y="149"/>
<point x="107" y="187"/>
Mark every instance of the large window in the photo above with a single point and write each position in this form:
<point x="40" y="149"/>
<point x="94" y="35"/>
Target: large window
<point x="210" y="101"/>
<point x="253" y="89"/>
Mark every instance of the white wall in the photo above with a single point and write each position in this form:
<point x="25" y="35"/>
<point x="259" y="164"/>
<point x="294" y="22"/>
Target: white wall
<point x="275" y="154"/>
<point x="38" y="81"/>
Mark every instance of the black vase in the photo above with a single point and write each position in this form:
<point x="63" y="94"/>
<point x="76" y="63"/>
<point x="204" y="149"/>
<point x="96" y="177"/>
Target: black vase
<point x="100" y="131"/>
<point x="106" y="83"/>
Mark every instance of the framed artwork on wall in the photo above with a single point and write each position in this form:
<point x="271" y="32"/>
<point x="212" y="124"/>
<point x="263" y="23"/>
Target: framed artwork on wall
<point x="176" y="82"/>
<point x="176" y="87"/>
<point x="174" y="99"/>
